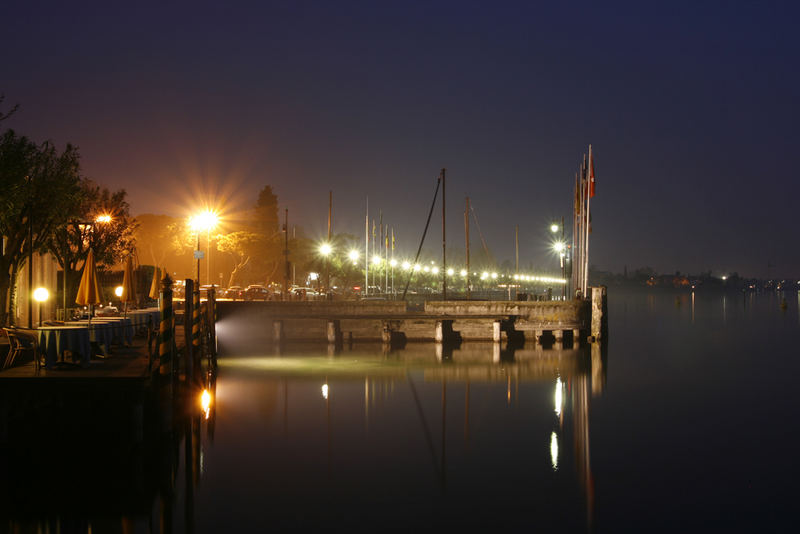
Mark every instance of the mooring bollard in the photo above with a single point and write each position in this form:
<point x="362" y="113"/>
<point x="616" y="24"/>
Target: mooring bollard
<point x="166" y="330"/>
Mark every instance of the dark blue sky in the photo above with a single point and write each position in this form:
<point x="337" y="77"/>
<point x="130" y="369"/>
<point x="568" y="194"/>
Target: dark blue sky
<point x="692" y="109"/>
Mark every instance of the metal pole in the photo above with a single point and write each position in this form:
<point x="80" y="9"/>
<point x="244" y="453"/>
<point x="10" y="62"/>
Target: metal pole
<point x="563" y="260"/>
<point x="516" y="259"/>
<point x="466" y="234"/>
<point x="588" y="213"/>
<point x="366" y="250"/>
<point x="208" y="258"/>
<point x="286" y="254"/>
<point x="444" y="243"/>
<point x="30" y="266"/>
<point x="327" y="257"/>
<point x="198" y="260"/>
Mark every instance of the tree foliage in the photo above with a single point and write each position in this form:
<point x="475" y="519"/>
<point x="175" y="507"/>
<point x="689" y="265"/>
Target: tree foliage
<point x="40" y="187"/>
<point x="110" y="240"/>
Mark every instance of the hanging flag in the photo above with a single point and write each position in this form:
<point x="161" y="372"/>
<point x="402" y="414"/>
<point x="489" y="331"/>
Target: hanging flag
<point x="392" y="238"/>
<point x="591" y="174"/>
<point x="577" y="197"/>
<point x="373" y="229"/>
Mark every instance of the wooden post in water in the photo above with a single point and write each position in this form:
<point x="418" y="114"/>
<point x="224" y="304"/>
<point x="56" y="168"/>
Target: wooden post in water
<point x="212" y="325"/>
<point x="188" y="330"/>
<point x="166" y="330"/>
<point x="196" y="324"/>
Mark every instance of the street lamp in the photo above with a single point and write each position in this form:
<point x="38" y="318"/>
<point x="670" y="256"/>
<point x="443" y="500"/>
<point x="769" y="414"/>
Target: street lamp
<point x="325" y="249"/>
<point x="206" y="220"/>
<point x="560" y="248"/>
<point x="554" y="228"/>
<point x="40" y="295"/>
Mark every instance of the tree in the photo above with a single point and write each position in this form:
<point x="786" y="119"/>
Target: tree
<point x="39" y="188"/>
<point x="266" y="254"/>
<point x="4" y="116"/>
<point x="154" y="240"/>
<point x="110" y="238"/>
<point x="240" y="245"/>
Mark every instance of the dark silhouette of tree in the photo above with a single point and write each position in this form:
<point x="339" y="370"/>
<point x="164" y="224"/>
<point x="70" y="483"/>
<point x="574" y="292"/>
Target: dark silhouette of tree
<point x="39" y="188"/>
<point x="110" y="239"/>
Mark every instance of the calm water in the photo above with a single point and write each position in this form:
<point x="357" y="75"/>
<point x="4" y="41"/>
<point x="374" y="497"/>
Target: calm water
<point x="685" y="421"/>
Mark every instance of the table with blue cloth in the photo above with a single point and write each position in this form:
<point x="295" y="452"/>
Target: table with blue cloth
<point x="144" y="317"/>
<point x="54" y="340"/>
<point x="108" y="331"/>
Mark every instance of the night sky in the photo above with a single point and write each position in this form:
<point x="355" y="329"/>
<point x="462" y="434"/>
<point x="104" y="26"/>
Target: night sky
<point x="692" y="110"/>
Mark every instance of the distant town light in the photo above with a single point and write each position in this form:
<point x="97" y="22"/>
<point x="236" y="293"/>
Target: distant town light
<point x="376" y="260"/>
<point x="406" y="265"/>
<point x="325" y="249"/>
<point x="325" y="391"/>
<point x="353" y="255"/>
<point x="494" y="276"/>
<point x="554" y="228"/>
<point x="393" y="262"/>
<point x="463" y="272"/>
<point x="451" y="271"/>
<point x="105" y="218"/>
<point x="313" y="276"/>
<point x="118" y="291"/>
<point x="558" y="247"/>
<point x="417" y="267"/>
<point x="426" y="269"/>
<point x="435" y="270"/>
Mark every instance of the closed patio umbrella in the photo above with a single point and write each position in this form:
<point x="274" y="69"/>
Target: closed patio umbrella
<point x="128" y="287"/>
<point x="89" y="292"/>
<point x="154" y="287"/>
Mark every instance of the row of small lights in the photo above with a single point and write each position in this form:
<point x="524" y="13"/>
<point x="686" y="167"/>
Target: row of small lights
<point x="353" y="255"/>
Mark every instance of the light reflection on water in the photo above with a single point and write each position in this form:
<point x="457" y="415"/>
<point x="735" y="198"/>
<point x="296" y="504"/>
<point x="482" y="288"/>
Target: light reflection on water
<point x="450" y="435"/>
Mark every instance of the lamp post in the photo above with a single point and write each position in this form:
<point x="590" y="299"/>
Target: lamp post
<point x="206" y="220"/>
<point x="325" y="249"/>
<point x="40" y="295"/>
<point x="561" y="249"/>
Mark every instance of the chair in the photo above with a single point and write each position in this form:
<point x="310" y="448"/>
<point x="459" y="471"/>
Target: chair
<point x="21" y="341"/>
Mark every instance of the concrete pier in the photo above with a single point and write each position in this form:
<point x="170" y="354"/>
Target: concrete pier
<point x="245" y="322"/>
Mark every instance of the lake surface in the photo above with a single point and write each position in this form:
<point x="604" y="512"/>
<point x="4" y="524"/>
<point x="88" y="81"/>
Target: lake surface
<point x="686" y="420"/>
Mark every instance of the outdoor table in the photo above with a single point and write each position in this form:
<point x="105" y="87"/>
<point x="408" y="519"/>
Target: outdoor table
<point x="54" y="340"/>
<point x="122" y="328"/>
<point x="141" y="318"/>
<point x="107" y="330"/>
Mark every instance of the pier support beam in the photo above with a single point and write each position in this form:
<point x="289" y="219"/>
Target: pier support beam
<point x="277" y="331"/>
<point x="445" y="332"/>
<point x="496" y="332"/>
<point x="599" y="313"/>
<point x="334" y="332"/>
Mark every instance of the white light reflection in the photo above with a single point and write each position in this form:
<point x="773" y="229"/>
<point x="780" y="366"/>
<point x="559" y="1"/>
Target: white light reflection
<point x="554" y="450"/>
<point x="558" y="396"/>
<point x="325" y="391"/>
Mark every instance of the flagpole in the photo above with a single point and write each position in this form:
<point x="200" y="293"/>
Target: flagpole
<point x="574" y="229"/>
<point x="588" y="212"/>
<point x="386" y="262"/>
<point x="392" y="263"/>
<point x="366" y="251"/>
